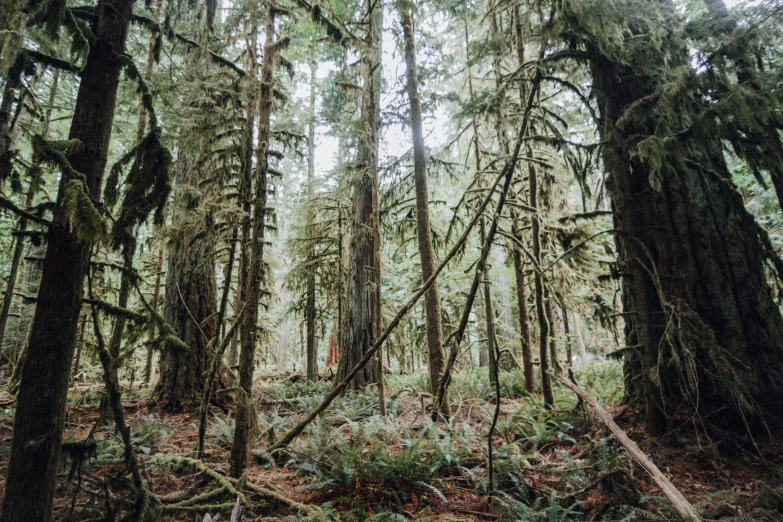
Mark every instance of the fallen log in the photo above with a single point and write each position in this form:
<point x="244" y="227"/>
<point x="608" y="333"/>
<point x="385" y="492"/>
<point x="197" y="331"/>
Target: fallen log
<point x="684" y="508"/>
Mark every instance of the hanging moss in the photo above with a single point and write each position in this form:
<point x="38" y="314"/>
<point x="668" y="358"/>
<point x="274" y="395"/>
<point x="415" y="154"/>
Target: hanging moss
<point x="333" y="31"/>
<point x="49" y="14"/>
<point x="148" y="182"/>
<point x="81" y="214"/>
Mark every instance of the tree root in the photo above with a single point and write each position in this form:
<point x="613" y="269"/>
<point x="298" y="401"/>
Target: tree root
<point x="270" y="492"/>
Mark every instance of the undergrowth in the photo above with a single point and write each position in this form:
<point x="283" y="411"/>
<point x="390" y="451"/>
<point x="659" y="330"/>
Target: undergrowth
<point x="382" y="467"/>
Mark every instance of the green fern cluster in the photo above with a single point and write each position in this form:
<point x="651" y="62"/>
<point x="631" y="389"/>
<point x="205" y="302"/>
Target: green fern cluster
<point x="367" y="458"/>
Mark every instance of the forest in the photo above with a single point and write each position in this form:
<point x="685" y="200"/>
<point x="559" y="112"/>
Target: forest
<point x="432" y="260"/>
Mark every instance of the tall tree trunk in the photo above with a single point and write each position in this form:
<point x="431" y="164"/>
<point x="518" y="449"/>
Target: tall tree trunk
<point x="233" y="350"/>
<point x="341" y="285"/>
<point x="483" y="354"/>
<point x="550" y="315"/>
<point x="363" y="321"/>
<point x="254" y="275"/>
<point x="38" y="425"/>
<point x="701" y="322"/>
<point x="489" y="316"/>
<point x="524" y="322"/>
<point x="151" y="330"/>
<point x="312" y="346"/>
<point x="79" y="347"/>
<point x="567" y="335"/>
<point x="34" y="173"/>
<point x="331" y="357"/>
<point x="190" y="298"/>
<point x="129" y="243"/>
<point x="543" y="321"/>
<point x="437" y="357"/>
<point x="580" y="341"/>
<point x="122" y="300"/>
<point x="228" y="273"/>
<point x="245" y="194"/>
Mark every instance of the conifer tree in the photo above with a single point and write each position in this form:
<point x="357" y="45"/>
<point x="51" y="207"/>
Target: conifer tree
<point x="364" y="288"/>
<point x="32" y="470"/>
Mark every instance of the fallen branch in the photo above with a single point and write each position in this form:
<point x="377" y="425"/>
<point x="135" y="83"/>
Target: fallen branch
<point x="680" y="503"/>
<point x="222" y="481"/>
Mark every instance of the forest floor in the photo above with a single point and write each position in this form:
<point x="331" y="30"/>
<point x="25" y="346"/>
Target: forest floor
<point x="352" y="464"/>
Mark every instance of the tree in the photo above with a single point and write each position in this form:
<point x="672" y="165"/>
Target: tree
<point x="437" y="357"/>
<point x="35" y="452"/>
<point x="312" y="345"/>
<point x="255" y="263"/>
<point x="190" y="298"/>
<point x="701" y="324"/>
<point x="190" y="302"/>
<point x="364" y="306"/>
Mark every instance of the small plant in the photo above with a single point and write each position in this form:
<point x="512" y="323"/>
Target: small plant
<point x="365" y="456"/>
<point x="544" y="509"/>
<point x="221" y="431"/>
<point x="146" y="436"/>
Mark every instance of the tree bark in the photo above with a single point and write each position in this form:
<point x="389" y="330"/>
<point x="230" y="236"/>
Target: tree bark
<point x="524" y="323"/>
<point x="312" y="346"/>
<point x="122" y="299"/>
<point x="567" y="335"/>
<point x="695" y="292"/>
<point x="37" y="440"/>
<point x="552" y="341"/>
<point x="79" y="348"/>
<point x="437" y="357"/>
<point x="489" y="317"/>
<point x="543" y="321"/>
<point x="190" y="298"/>
<point x="245" y="194"/>
<point x="151" y="331"/>
<point x="580" y="342"/>
<point x="254" y="275"/>
<point x="363" y="321"/>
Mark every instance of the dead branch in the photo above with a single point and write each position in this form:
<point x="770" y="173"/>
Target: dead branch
<point x="680" y="503"/>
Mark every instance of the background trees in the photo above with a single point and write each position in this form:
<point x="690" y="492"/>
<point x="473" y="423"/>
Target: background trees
<point x="255" y="188"/>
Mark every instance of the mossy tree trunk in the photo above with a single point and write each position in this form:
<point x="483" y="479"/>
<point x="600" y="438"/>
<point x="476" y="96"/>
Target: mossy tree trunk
<point x="38" y="425"/>
<point x="190" y="298"/>
<point x="312" y="345"/>
<point x="540" y="298"/>
<point x="151" y="327"/>
<point x="701" y="323"/>
<point x="524" y="322"/>
<point x="364" y="264"/>
<point x="255" y="254"/>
